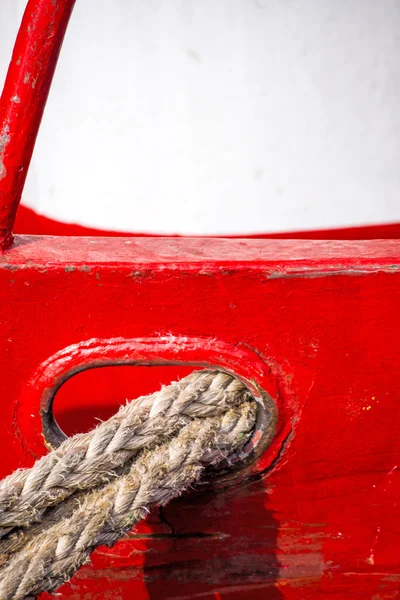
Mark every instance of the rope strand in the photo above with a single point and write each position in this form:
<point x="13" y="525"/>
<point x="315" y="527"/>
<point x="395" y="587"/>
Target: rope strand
<point x="97" y="486"/>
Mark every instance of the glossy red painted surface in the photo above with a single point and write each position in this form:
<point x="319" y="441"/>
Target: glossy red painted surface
<point x="314" y="323"/>
<point x="30" y="222"/>
<point x="24" y="97"/>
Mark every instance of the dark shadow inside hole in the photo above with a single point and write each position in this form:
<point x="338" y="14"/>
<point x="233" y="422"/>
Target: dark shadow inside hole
<point x="94" y="395"/>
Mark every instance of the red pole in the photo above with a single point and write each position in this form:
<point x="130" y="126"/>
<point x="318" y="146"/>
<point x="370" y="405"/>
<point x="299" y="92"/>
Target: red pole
<point x="24" y="97"/>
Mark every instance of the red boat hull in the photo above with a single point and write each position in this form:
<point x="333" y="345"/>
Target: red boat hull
<point x="314" y="323"/>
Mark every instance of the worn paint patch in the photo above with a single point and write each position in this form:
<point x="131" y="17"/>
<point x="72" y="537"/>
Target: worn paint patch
<point x="4" y="140"/>
<point x="334" y="272"/>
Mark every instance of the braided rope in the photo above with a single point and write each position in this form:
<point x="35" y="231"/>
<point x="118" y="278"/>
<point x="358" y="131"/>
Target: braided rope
<point x="91" y="459"/>
<point x="96" y="486"/>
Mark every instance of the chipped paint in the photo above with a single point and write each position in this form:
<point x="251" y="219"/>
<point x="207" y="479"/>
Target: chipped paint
<point x="333" y="272"/>
<point x="4" y="140"/>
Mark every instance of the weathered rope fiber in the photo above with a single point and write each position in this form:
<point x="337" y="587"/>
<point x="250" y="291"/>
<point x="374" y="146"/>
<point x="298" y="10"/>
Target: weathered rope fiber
<point x="96" y="486"/>
<point x="91" y="459"/>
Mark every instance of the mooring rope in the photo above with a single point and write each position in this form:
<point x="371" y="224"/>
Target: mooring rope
<point x="98" y="485"/>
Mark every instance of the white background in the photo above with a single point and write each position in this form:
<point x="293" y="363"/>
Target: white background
<point x="220" y="116"/>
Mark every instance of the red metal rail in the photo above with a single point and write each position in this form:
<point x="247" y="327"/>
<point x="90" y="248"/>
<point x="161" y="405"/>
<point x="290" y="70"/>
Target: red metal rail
<point x="24" y="97"/>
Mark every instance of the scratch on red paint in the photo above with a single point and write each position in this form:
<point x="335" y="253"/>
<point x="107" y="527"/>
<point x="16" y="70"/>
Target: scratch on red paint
<point x="371" y="558"/>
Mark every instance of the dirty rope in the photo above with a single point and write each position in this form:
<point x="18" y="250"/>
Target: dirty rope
<point x="98" y="485"/>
